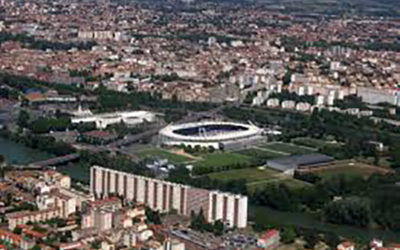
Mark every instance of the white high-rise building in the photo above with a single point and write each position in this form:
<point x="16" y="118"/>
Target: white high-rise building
<point x="319" y="100"/>
<point x="301" y="91"/>
<point x="310" y="90"/>
<point x="375" y="95"/>
<point x="167" y="196"/>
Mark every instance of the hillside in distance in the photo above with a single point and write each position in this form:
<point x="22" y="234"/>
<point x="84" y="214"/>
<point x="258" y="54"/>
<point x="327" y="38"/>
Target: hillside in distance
<point x="362" y="7"/>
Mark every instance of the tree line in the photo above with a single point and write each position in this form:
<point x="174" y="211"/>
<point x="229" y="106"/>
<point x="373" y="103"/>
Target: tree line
<point x="353" y="132"/>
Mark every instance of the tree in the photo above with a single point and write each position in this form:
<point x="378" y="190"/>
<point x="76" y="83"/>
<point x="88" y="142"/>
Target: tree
<point x="331" y="240"/>
<point x="96" y="244"/>
<point x="350" y="211"/>
<point x="311" y="238"/>
<point x="287" y="77"/>
<point x="198" y="221"/>
<point x="153" y="216"/>
<point x="218" y="228"/>
<point x="395" y="153"/>
<point x="288" y="235"/>
<point x="17" y="230"/>
<point x="44" y="125"/>
<point x="23" y="119"/>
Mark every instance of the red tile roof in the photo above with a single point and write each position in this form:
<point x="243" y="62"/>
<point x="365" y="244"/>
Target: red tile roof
<point x="34" y="96"/>
<point x="108" y="201"/>
<point x="34" y="234"/>
<point x="14" y="237"/>
<point x="21" y="214"/>
<point x="269" y="234"/>
<point x="71" y="245"/>
<point x="99" y="134"/>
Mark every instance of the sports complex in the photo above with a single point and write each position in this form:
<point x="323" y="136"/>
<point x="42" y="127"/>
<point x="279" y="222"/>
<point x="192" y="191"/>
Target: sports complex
<point x="217" y="134"/>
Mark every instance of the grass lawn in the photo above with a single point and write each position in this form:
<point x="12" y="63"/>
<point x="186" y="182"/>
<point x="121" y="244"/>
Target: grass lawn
<point x="287" y="148"/>
<point x="160" y="153"/>
<point x="312" y="142"/>
<point x="287" y="180"/>
<point x="258" y="178"/>
<point x="250" y="174"/>
<point x="259" y="154"/>
<point x="220" y="159"/>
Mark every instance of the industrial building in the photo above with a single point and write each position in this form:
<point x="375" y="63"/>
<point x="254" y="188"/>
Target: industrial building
<point x="289" y="164"/>
<point x="130" y="118"/>
<point x="167" y="196"/>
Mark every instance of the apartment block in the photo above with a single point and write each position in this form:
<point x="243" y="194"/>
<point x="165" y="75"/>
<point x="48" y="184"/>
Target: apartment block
<point x="23" y="217"/>
<point x="167" y="196"/>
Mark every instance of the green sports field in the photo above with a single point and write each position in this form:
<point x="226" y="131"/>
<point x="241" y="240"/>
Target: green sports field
<point x="287" y="148"/>
<point x="258" y="178"/>
<point x="155" y="153"/>
<point x="259" y="154"/>
<point x="223" y="159"/>
<point x="312" y="142"/>
<point x="250" y="174"/>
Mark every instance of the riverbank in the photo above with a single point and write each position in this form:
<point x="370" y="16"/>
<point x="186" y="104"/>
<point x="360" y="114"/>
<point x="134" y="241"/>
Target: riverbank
<point x="267" y="216"/>
<point x="18" y="153"/>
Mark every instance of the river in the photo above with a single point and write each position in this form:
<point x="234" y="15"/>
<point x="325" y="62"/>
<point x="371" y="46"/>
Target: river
<point x="17" y="153"/>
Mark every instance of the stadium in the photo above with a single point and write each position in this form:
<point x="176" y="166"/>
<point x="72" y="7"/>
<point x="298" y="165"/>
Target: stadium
<point x="217" y="134"/>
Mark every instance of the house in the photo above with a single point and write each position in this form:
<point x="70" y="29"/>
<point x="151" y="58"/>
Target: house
<point x="31" y="233"/>
<point x="71" y="245"/>
<point x="16" y="240"/>
<point x="173" y="244"/>
<point x="395" y="246"/>
<point x="346" y="245"/>
<point x="376" y="244"/>
<point x="55" y="199"/>
<point x="269" y="240"/>
<point x="57" y="179"/>
<point x="23" y="217"/>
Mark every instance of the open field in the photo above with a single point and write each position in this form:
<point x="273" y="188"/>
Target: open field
<point x="276" y="180"/>
<point x="287" y="148"/>
<point x="258" y="178"/>
<point x="348" y="168"/>
<point x="259" y="154"/>
<point x="216" y="159"/>
<point x="314" y="143"/>
<point x="223" y="159"/>
<point x="250" y="174"/>
<point x="161" y="153"/>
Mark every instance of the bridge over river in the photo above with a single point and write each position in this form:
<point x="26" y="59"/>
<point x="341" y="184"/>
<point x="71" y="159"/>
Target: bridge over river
<point x="56" y="160"/>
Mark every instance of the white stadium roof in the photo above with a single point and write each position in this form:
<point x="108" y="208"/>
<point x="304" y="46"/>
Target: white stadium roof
<point x="248" y="131"/>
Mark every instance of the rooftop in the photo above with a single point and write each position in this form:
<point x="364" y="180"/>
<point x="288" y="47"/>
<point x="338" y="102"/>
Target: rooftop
<point x="295" y="161"/>
<point x="268" y="234"/>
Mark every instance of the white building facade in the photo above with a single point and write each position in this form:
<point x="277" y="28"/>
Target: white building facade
<point x="130" y="118"/>
<point x="167" y="196"/>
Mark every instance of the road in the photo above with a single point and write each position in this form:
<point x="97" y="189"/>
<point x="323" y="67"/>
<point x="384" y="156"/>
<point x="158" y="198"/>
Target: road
<point x="118" y="146"/>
